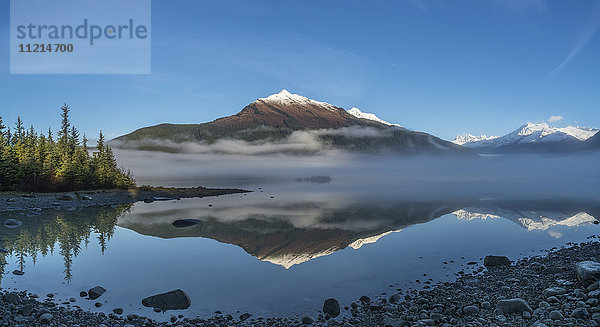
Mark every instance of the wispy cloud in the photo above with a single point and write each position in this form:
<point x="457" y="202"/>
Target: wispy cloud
<point x="554" y="119"/>
<point x="587" y="33"/>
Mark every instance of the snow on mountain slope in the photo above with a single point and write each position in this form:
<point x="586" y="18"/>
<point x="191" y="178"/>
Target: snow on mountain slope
<point x="365" y="115"/>
<point x="469" y="138"/>
<point x="286" y="98"/>
<point x="370" y="240"/>
<point x="290" y="259"/>
<point x="533" y="133"/>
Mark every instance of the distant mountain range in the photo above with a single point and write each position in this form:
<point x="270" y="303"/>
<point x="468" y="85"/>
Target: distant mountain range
<point x="286" y="122"/>
<point x="534" y="138"/>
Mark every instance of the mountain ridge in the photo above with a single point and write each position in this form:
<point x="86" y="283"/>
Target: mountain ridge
<point x="286" y="120"/>
<point x="532" y="138"/>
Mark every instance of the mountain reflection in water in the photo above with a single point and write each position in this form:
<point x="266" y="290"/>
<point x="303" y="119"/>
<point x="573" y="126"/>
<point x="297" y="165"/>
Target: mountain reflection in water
<point x="290" y="233"/>
<point x="285" y="233"/>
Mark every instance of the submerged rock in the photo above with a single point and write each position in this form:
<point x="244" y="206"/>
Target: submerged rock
<point x="173" y="300"/>
<point x="12" y="223"/>
<point x="587" y="272"/>
<point x="496" y="260"/>
<point x="331" y="307"/>
<point x="96" y="292"/>
<point x="181" y="223"/>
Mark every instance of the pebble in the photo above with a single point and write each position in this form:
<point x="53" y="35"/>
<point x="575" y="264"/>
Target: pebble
<point x="307" y="320"/>
<point x="46" y="318"/>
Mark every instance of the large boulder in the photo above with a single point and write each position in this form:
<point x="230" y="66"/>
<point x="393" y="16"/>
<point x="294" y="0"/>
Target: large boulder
<point x="496" y="260"/>
<point x="13" y="298"/>
<point x="587" y="272"/>
<point x="96" y="292"/>
<point x="173" y="300"/>
<point x="331" y="307"/>
<point x="513" y="306"/>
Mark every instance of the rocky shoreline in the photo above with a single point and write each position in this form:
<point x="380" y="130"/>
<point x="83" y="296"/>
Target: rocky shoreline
<point x="32" y="202"/>
<point x="556" y="289"/>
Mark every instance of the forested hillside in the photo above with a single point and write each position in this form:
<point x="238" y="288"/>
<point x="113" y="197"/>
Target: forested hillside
<point x="32" y="161"/>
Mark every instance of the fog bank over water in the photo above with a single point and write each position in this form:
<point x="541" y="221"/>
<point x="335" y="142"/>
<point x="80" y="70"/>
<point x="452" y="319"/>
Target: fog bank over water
<point x="515" y="176"/>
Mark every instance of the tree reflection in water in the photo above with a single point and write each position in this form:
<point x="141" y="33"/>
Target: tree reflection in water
<point x="65" y="230"/>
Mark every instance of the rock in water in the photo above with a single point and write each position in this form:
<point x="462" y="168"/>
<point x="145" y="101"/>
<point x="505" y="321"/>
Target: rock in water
<point x="331" y="307"/>
<point x="186" y="223"/>
<point x="245" y="316"/>
<point x="96" y="292"/>
<point x="513" y="306"/>
<point x="12" y="223"/>
<point x="496" y="260"/>
<point x="173" y="300"/>
<point x="18" y="272"/>
<point x="587" y="272"/>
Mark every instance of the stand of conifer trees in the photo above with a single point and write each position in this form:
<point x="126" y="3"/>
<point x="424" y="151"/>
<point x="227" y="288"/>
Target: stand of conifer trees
<point x="31" y="161"/>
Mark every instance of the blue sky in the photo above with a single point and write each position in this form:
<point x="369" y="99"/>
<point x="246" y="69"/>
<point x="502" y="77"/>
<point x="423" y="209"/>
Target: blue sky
<point x="443" y="67"/>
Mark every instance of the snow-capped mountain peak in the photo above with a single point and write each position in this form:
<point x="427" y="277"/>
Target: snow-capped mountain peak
<point x="366" y="115"/>
<point x="469" y="138"/>
<point x="284" y="97"/>
<point x="528" y="134"/>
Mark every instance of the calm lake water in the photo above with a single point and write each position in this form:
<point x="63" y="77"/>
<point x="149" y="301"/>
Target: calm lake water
<point x="286" y="247"/>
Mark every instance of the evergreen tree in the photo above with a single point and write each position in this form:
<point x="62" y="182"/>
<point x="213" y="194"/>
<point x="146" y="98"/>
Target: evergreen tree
<point x="35" y="162"/>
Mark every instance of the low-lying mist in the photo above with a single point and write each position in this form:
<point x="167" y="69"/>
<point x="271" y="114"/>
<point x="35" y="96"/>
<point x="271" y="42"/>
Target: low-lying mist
<point x="514" y="176"/>
<point x="297" y="142"/>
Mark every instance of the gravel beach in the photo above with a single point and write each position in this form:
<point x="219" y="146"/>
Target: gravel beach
<point x="20" y="201"/>
<point x="537" y="291"/>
